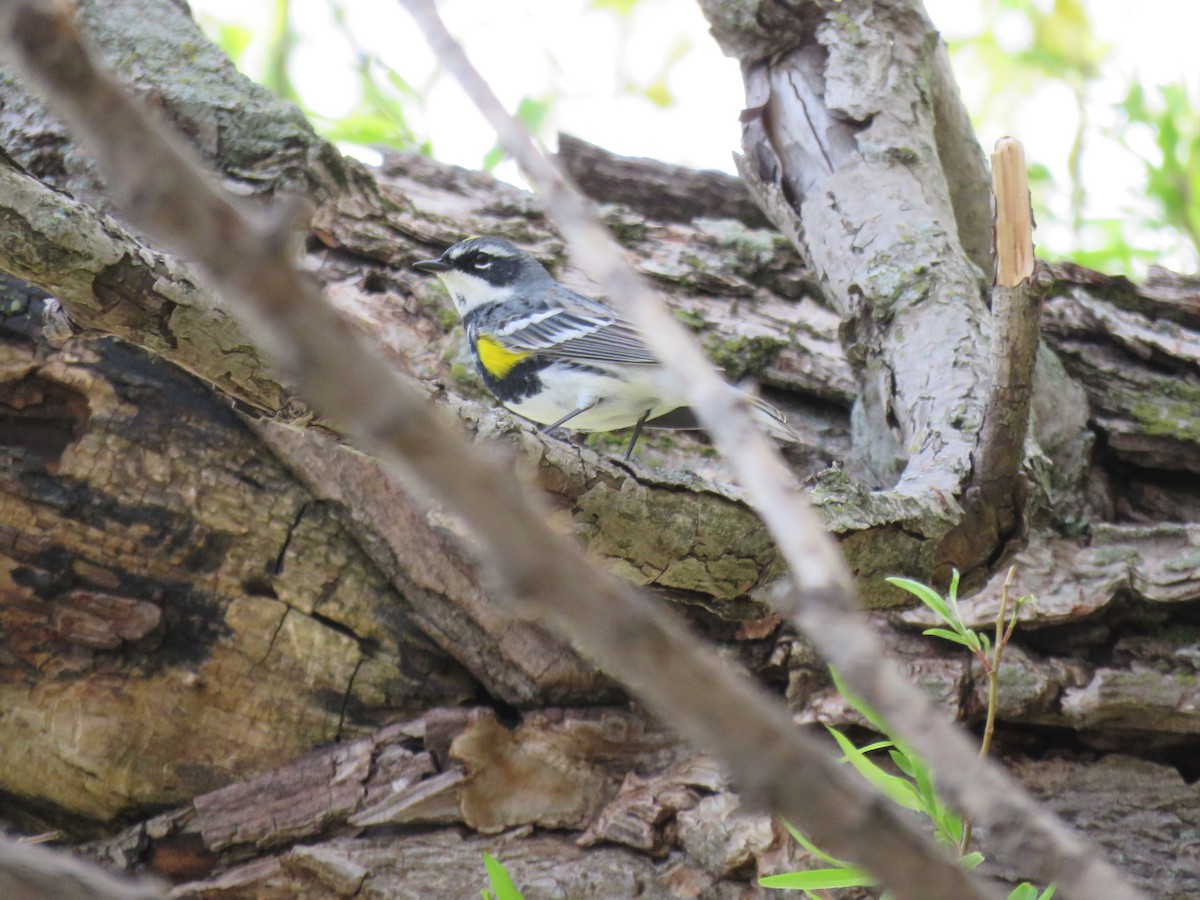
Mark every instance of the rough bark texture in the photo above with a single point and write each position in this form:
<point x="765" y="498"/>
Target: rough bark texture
<point x="856" y="146"/>
<point x="841" y="140"/>
<point x="245" y="623"/>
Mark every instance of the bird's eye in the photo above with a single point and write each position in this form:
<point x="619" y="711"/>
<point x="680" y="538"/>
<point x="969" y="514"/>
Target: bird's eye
<point x="482" y="261"/>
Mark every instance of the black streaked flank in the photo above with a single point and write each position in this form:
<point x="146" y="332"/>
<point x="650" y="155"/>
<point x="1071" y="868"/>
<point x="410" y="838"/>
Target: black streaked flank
<point x="521" y="381"/>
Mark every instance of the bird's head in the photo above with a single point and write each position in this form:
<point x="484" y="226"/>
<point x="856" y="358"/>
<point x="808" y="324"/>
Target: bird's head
<point x="484" y="270"/>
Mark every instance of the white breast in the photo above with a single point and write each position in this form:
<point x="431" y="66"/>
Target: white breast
<point x="618" y="403"/>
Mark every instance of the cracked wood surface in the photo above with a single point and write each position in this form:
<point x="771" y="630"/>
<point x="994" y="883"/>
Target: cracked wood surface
<point x="178" y="610"/>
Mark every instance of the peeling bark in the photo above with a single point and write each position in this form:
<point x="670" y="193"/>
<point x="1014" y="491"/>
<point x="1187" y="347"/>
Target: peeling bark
<point x="178" y="610"/>
<point x="841" y="150"/>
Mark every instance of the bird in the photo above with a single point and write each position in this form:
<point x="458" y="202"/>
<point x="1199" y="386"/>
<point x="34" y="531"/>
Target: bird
<point x="558" y="358"/>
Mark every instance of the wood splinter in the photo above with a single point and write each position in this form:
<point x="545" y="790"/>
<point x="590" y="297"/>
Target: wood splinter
<point x="995" y="503"/>
<point x="1014" y="213"/>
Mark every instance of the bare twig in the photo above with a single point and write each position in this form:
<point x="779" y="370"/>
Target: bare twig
<point x="1016" y="313"/>
<point x="32" y="872"/>
<point x="823" y="605"/>
<point x="991" y="668"/>
<point x="994" y="500"/>
<point x="682" y="681"/>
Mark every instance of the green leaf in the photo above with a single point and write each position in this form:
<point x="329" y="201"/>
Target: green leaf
<point x="814" y="850"/>
<point x="621" y="7"/>
<point x="397" y="81"/>
<point x="533" y="113"/>
<point x="502" y="885"/>
<point x="952" y="600"/>
<point x="1027" y="891"/>
<point x="898" y="790"/>
<point x="367" y="129"/>
<point x="926" y="595"/>
<point x="923" y="779"/>
<point x="948" y="635"/>
<point x="658" y="93"/>
<point x="861" y="708"/>
<point x="947" y="825"/>
<point x="493" y="158"/>
<point x="971" y="860"/>
<point x="903" y="762"/>
<point x="231" y="37"/>
<point x="820" y="879"/>
<point x="878" y="745"/>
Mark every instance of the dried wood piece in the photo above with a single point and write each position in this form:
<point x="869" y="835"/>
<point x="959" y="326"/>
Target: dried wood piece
<point x="1072" y="579"/>
<point x="554" y="771"/>
<point x="1157" y="697"/>
<point x="1014" y="214"/>
<point x="1163" y="295"/>
<point x="724" y="837"/>
<point x="371" y="781"/>
<point x="434" y="800"/>
<point x="444" y="864"/>
<point x="176" y="607"/>
<point x="656" y="189"/>
<point x="1144" y="815"/>
<point x="643" y="813"/>
<point x="103" y="621"/>
<point x="287" y="804"/>
<point x="1141" y="375"/>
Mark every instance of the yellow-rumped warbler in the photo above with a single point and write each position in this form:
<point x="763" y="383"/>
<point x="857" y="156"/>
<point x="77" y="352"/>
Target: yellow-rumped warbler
<point x="556" y="357"/>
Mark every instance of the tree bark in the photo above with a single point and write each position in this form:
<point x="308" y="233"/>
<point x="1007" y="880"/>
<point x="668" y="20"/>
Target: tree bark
<point x="193" y="600"/>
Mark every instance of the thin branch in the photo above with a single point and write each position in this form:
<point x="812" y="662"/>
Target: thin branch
<point x="994" y="501"/>
<point x="823" y="603"/>
<point x="39" y="873"/>
<point x="684" y="682"/>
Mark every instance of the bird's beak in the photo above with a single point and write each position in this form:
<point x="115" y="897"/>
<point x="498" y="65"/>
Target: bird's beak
<point x="433" y="266"/>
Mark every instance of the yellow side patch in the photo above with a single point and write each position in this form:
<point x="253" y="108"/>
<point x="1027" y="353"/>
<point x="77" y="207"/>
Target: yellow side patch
<point x="496" y="359"/>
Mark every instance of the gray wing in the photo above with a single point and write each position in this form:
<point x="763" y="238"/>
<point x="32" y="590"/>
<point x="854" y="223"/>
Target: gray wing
<point x="571" y="326"/>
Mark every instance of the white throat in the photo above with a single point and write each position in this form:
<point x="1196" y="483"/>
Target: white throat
<point x="469" y="292"/>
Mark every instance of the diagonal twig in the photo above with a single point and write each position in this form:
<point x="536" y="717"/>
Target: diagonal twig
<point x="995" y="497"/>
<point x="31" y="872"/>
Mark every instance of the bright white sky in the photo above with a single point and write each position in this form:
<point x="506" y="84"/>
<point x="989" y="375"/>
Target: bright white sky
<point x="586" y="59"/>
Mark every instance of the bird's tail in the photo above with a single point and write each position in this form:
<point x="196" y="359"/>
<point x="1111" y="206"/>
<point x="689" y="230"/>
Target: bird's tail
<point x="772" y="421"/>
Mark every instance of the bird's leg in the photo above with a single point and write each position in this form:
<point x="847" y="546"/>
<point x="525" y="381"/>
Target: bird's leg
<point x="637" y="433"/>
<point x="567" y="418"/>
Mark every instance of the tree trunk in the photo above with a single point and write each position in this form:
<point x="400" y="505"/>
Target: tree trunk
<point x="226" y="613"/>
